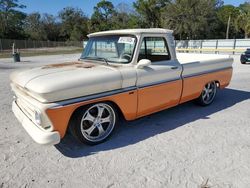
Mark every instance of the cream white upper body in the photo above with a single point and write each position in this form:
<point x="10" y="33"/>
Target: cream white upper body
<point x="60" y="82"/>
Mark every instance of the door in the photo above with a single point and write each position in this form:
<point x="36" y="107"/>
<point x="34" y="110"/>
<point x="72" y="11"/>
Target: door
<point x="159" y="85"/>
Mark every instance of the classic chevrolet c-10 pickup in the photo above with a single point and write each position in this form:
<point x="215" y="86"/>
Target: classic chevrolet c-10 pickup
<point x="130" y="73"/>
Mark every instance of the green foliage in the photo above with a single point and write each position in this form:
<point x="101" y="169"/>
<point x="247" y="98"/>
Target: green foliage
<point x="101" y="18"/>
<point x="190" y="19"/>
<point x="242" y="22"/>
<point x="51" y="27"/>
<point x="33" y="27"/>
<point x="41" y="27"/>
<point x="228" y="13"/>
<point x="74" y="24"/>
<point x="11" y="19"/>
<point x="124" y="17"/>
<point x="150" y="11"/>
<point x="245" y="7"/>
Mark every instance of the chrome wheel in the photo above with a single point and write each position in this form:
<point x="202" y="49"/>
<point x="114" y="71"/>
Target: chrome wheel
<point x="97" y="122"/>
<point x="208" y="93"/>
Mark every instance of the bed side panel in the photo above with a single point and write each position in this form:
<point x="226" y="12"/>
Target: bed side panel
<point x="192" y="86"/>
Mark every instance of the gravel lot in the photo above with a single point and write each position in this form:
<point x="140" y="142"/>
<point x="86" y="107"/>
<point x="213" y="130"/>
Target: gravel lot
<point x="186" y="146"/>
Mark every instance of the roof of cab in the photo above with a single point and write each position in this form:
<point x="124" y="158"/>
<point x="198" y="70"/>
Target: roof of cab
<point x="131" y="31"/>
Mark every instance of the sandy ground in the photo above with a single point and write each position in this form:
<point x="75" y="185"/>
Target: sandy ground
<point x="186" y="146"/>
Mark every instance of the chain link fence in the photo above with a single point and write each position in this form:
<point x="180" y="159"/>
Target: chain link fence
<point x="6" y="44"/>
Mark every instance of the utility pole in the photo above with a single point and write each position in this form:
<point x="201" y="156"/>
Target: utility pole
<point x="228" y="25"/>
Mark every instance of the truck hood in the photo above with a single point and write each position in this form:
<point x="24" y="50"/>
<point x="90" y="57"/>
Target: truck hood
<point x="58" y="82"/>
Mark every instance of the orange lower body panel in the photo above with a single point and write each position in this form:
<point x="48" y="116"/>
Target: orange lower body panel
<point x="144" y="101"/>
<point x="60" y="116"/>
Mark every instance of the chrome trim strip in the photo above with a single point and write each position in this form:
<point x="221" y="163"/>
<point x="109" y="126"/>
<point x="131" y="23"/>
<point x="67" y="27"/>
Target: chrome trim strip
<point x="94" y="96"/>
<point x="158" y="83"/>
<point x="206" y="72"/>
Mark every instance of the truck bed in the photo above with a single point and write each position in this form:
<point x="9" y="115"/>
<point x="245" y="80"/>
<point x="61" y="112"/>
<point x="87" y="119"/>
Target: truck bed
<point x="195" y="64"/>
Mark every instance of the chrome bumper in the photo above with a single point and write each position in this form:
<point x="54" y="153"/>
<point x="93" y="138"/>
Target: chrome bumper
<point x="37" y="134"/>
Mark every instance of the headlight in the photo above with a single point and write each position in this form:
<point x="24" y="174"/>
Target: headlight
<point x="38" y="118"/>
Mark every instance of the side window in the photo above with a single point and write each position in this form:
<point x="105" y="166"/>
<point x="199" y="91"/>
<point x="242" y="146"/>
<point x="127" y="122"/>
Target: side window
<point x="154" y="49"/>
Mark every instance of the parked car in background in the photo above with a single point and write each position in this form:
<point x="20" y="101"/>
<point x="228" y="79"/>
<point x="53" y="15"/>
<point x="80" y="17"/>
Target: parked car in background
<point x="245" y="57"/>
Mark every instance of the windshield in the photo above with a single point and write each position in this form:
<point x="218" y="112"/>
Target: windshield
<point x="114" y="49"/>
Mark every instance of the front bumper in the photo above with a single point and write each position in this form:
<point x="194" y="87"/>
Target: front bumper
<point x="38" y="134"/>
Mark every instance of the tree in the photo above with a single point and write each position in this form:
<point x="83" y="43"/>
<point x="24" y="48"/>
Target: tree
<point x="227" y="15"/>
<point x="51" y="27"/>
<point x="243" y="23"/>
<point x="150" y="11"/>
<point x="74" y="24"/>
<point x="42" y="27"/>
<point x="11" y="19"/>
<point x="124" y="17"/>
<point x="243" y="20"/>
<point x="191" y="19"/>
<point x="33" y="27"/>
<point x="245" y="7"/>
<point x="101" y="18"/>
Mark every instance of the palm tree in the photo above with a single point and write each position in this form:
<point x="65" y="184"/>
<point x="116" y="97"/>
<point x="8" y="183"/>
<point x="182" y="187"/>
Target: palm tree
<point x="243" y="23"/>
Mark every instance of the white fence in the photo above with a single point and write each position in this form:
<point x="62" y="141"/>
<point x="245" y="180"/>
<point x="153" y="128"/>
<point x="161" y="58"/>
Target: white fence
<point x="216" y="46"/>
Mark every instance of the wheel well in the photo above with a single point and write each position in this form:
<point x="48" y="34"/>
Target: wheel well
<point x="217" y="84"/>
<point x="76" y="111"/>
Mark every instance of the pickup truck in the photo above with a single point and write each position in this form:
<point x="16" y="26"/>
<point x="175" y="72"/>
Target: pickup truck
<point x="130" y="73"/>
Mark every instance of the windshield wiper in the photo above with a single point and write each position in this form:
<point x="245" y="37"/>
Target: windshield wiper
<point x="97" y="58"/>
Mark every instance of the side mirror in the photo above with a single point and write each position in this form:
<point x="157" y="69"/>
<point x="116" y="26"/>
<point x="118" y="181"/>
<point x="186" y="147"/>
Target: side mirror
<point x="143" y="63"/>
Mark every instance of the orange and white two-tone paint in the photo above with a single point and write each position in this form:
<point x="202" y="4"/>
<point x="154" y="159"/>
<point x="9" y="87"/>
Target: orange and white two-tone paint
<point x="144" y="101"/>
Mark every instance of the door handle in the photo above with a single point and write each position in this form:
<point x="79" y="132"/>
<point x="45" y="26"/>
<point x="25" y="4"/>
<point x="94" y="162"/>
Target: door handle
<point x="174" y="67"/>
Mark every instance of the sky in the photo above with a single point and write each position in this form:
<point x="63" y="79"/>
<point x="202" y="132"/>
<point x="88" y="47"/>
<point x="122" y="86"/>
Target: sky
<point x="54" y="6"/>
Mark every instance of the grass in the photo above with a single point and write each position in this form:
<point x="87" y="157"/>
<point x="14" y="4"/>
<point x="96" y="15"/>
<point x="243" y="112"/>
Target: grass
<point x="38" y="52"/>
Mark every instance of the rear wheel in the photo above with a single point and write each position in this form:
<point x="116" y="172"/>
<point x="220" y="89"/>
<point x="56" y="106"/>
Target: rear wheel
<point x="208" y="94"/>
<point x="243" y="62"/>
<point x="94" y="123"/>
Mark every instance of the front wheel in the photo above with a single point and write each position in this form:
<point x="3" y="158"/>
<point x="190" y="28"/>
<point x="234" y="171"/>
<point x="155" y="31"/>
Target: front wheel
<point x="208" y="94"/>
<point x="94" y="123"/>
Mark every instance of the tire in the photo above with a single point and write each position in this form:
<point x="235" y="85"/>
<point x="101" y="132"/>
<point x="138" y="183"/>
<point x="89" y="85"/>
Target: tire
<point x="208" y="94"/>
<point x="93" y="124"/>
<point x="243" y="62"/>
